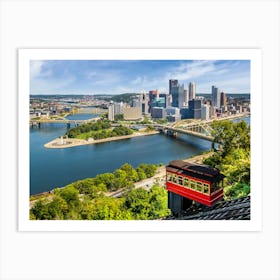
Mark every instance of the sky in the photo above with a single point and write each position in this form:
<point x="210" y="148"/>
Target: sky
<point x="126" y="76"/>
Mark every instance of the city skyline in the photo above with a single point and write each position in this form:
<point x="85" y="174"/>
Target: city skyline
<point x="123" y="76"/>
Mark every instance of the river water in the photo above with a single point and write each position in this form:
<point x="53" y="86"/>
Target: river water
<point x="51" y="168"/>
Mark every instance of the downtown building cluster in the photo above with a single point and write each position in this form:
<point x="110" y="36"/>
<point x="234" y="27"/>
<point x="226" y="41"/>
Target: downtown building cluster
<point x="178" y="103"/>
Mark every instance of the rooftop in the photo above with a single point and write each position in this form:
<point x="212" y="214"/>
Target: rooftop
<point x="193" y="169"/>
<point x="237" y="209"/>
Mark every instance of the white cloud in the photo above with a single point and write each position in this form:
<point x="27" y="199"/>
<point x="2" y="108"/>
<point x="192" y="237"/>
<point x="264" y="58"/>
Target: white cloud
<point x="191" y="70"/>
<point x="47" y="86"/>
<point x="103" y="78"/>
<point x="139" y="80"/>
<point x="38" y="69"/>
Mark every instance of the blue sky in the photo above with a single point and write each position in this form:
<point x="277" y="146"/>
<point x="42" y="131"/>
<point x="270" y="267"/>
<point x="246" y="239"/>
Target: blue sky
<point x="121" y="76"/>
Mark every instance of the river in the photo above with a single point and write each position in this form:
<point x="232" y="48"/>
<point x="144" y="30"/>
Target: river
<point x="51" y="168"/>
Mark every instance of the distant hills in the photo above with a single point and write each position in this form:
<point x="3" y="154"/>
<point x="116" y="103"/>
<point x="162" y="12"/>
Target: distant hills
<point x="124" y="97"/>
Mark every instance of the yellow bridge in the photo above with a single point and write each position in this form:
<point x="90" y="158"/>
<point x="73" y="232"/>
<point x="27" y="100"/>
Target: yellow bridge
<point x="197" y="128"/>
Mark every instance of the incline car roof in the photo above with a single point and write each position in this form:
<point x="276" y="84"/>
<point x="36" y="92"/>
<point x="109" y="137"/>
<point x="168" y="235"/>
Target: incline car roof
<point x="198" y="170"/>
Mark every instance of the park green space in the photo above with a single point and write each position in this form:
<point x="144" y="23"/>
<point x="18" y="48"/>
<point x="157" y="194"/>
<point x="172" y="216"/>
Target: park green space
<point x="98" y="130"/>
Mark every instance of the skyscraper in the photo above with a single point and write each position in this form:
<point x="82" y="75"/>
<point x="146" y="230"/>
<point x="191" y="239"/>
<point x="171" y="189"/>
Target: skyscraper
<point x="177" y="93"/>
<point x="111" y="112"/>
<point x="118" y="108"/>
<point x="192" y="90"/>
<point x="153" y="96"/>
<point x="205" y="112"/>
<point x="172" y="83"/>
<point x="144" y="100"/>
<point x="223" y="99"/>
<point x="195" y="108"/>
<point x="216" y="97"/>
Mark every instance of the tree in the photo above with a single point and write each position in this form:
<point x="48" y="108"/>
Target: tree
<point x="158" y="203"/>
<point x="148" y="169"/>
<point x="109" y="208"/>
<point x="118" y="117"/>
<point x="141" y="174"/>
<point x="137" y="201"/>
<point x="231" y="135"/>
<point x="237" y="190"/>
<point x="40" y="210"/>
<point x="147" y="205"/>
<point x="58" y="208"/>
<point x="104" y="178"/>
<point x="131" y="174"/>
<point x="233" y="159"/>
<point x="71" y="195"/>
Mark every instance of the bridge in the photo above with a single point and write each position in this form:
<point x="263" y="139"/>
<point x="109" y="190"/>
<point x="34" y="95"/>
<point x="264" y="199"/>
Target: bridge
<point x="37" y="123"/>
<point x="197" y="128"/>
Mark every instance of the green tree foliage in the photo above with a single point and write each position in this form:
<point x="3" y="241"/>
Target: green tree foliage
<point x="148" y="169"/>
<point x="146" y="205"/>
<point x="109" y="209"/>
<point x="146" y="121"/>
<point x="233" y="158"/>
<point x="71" y="195"/>
<point x="86" y="199"/>
<point x="231" y="135"/>
<point x="58" y="208"/>
<point x="121" y="130"/>
<point x="118" y="117"/>
<point x="141" y="173"/>
<point x="88" y="127"/>
<point x="40" y="210"/>
<point x="159" y="202"/>
<point x="237" y="190"/>
<point x="131" y="173"/>
<point x="97" y="130"/>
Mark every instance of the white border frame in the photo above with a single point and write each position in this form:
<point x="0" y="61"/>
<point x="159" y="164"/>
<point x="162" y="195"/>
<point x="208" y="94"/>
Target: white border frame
<point x="24" y="57"/>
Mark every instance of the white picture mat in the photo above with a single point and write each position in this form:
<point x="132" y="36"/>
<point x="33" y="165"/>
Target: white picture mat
<point x="240" y="255"/>
<point x="25" y="56"/>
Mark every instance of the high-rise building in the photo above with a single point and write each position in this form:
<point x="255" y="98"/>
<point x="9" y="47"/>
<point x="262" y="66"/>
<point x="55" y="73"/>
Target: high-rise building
<point x="172" y="83"/>
<point x="160" y="101"/>
<point x="205" y="112"/>
<point x="163" y="99"/>
<point x="118" y="108"/>
<point x="216" y="97"/>
<point x="153" y="97"/>
<point x="184" y="112"/>
<point x="168" y="100"/>
<point x="183" y="98"/>
<point x="173" y="114"/>
<point x="158" y="113"/>
<point x="111" y="112"/>
<point x="144" y="102"/>
<point x="177" y="92"/>
<point x="135" y="102"/>
<point x="173" y="111"/>
<point x="223" y="99"/>
<point x="212" y="113"/>
<point x="192" y="90"/>
<point x="153" y="94"/>
<point x="195" y="108"/>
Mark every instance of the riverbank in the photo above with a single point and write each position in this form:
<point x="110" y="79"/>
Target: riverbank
<point x="157" y="179"/>
<point x="59" y="143"/>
